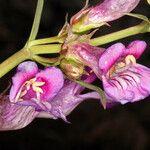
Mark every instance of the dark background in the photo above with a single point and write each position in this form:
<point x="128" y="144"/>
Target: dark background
<point x="120" y="128"/>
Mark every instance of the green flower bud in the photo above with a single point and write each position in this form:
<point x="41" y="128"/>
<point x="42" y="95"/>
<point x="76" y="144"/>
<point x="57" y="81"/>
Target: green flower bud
<point x="72" y="69"/>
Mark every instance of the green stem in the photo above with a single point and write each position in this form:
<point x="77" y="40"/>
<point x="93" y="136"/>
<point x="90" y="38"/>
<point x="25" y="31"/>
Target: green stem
<point x="54" y="39"/>
<point x="45" y="60"/>
<point x="45" y="49"/>
<point x="141" y="28"/>
<point x="13" y="61"/>
<point x="24" y="54"/>
<point x="36" y="22"/>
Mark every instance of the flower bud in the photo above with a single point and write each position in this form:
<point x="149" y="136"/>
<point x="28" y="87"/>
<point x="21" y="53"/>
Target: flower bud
<point x="96" y="16"/>
<point x="72" y="69"/>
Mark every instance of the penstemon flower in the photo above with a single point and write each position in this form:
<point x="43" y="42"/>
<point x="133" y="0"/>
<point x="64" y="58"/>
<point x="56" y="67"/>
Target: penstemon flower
<point x="14" y="116"/>
<point x="123" y="79"/>
<point x="31" y="84"/>
<point x="96" y="16"/>
<point x="18" y="111"/>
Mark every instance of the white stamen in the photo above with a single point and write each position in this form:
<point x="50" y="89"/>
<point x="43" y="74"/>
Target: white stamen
<point x="35" y="86"/>
<point x="130" y="59"/>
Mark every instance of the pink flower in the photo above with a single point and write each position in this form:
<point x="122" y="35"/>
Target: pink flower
<point x="15" y="116"/>
<point x="95" y="16"/>
<point x="31" y="84"/>
<point x="19" y="111"/>
<point x="123" y="79"/>
<point x="66" y="100"/>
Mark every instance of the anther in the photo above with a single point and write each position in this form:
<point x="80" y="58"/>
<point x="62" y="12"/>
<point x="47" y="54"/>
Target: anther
<point x="130" y="59"/>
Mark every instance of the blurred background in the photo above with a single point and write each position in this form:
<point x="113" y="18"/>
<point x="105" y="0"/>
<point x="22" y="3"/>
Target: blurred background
<point x="119" y="128"/>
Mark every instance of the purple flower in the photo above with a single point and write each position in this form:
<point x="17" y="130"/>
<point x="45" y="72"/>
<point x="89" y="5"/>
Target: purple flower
<point x="111" y="10"/>
<point x="31" y="84"/>
<point x="98" y="15"/>
<point x="18" y="110"/>
<point x="123" y="79"/>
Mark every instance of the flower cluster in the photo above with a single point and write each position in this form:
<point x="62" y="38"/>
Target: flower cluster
<point x="56" y="90"/>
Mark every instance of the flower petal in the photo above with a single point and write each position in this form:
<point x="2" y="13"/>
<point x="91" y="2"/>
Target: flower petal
<point x="115" y="91"/>
<point x="25" y="71"/>
<point x="51" y="80"/>
<point x="128" y="86"/>
<point x="54" y="81"/>
<point x="14" y="116"/>
<point x="145" y="78"/>
<point x="110" y="56"/>
<point x="136" y="48"/>
<point x="96" y="16"/>
<point x="111" y="10"/>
